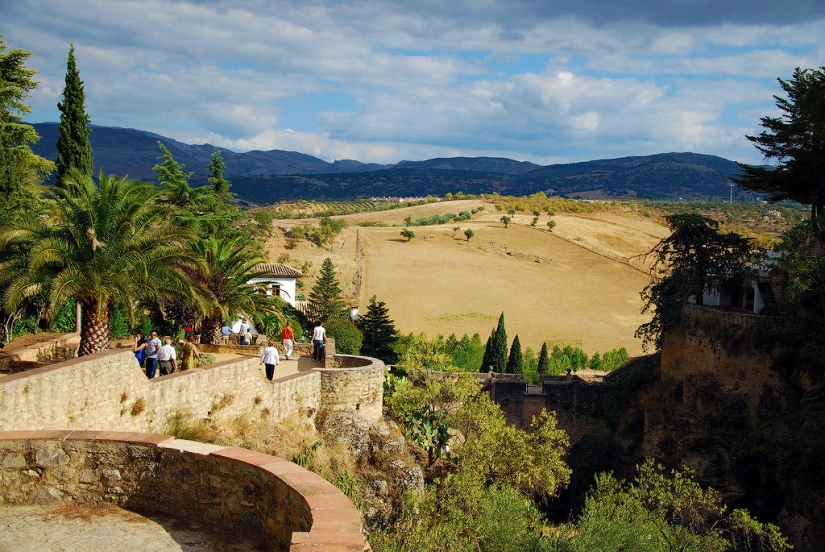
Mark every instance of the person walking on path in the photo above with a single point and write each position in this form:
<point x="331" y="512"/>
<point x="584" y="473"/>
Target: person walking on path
<point x="140" y="349"/>
<point x="188" y="354"/>
<point x="269" y="358"/>
<point x="319" y="339"/>
<point x="152" y="347"/>
<point x="288" y="340"/>
<point x="167" y="358"/>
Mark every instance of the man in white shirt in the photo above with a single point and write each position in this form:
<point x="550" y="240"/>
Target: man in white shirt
<point x="269" y="358"/>
<point x="319" y="339"/>
<point x="167" y="358"/>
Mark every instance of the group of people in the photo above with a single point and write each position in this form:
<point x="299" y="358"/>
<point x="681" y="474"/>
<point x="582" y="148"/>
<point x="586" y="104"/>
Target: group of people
<point x="154" y="355"/>
<point x="244" y="332"/>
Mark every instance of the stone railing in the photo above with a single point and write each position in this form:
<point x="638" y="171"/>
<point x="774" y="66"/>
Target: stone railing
<point x="353" y="384"/>
<point x="277" y="502"/>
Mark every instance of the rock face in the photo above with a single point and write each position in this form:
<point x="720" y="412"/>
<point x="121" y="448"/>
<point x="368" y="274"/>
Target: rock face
<point x="384" y="460"/>
<point x="742" y="426"/>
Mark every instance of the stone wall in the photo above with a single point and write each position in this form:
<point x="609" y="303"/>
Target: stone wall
<point x="352" y="383"/>
<point x="280" y="503"/>
<point x="110" y="391"/>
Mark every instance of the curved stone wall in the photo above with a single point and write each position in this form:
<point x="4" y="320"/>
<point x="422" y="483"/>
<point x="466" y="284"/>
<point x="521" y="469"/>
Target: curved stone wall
<point x="352" y="383"/>
<point x="286" y="506"/>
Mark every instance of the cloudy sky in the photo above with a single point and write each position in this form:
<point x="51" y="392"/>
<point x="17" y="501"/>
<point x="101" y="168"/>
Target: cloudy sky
<point x="545" y="81"/>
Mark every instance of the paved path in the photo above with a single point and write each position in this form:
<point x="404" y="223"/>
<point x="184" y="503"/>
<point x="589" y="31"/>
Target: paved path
<point x="69" y="528"/>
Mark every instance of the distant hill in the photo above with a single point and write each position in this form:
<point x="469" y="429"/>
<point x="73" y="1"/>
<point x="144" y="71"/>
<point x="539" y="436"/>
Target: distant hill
<point x="269" y="176"/>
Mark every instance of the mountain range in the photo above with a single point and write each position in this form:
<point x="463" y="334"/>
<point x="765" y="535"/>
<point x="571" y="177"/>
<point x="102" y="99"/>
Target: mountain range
<point x="262" y="177"/>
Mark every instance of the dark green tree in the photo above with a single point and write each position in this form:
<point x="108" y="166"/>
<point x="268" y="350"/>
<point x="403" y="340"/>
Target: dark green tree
<point x="379" y="332"/>
<point x="74" y="150"/>
<point x="220" y="186"/>
<point x="515" y="360"/>
<point x="348" y="338"/>
<point x="695" y="259"/>
<point x="325" y="299"/>
<point x="468" y="233"/>
<point x="19" y="166"/>
<point x="173" y="181"/>
<point x="487" y="360"/>
<point x="796" y="141"/>
<point x="407" y="233"/>
<point x="495" y="354"/>
<point x="544" y="361"/>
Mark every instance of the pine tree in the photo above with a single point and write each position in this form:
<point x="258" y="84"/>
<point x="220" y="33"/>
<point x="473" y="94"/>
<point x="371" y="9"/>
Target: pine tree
<point x="544" y="361"/>
<point x="379" y="333"/>
<point x="173" y="181"/>
<point x="74" y="151"/>
<point x="219" y="184"/>
<point x="498" y="349"/>
<point x="325" y="301"/>
<point x="515" y="360"/>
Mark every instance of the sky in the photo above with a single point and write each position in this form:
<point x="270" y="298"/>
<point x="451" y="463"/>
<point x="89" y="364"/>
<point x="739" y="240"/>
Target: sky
<point x="546" y="81"/>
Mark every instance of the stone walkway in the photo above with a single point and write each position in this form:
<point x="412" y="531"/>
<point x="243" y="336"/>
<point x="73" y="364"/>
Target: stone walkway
<point x="69" y="528"/>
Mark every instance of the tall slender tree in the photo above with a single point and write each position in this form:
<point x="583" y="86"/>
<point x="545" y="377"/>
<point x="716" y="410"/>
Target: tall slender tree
<point x="173" y="181"/>
<point x="325" y="299"/>
<point x="516" y="359"/>
<point x="74" y="150"/>
<point x="379" y="332"/>
<point x="544" y="361"/>
<point x="495" y="354"/>
<point x="220" y="185"/>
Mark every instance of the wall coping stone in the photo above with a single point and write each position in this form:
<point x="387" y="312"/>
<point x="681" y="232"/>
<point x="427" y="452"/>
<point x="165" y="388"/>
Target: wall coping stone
<point x="335" y="523"/>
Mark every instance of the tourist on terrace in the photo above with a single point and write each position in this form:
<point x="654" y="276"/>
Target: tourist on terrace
<point x="226" y="331"/>
<point x="288" y="340"/>
<point x="269" y="358"/>
<point x="188" y="354"/>
<point x="243" y="330"/>
<point x="167" y="358"/>
<point x="152" y="347"/>
<point x="319" y="339"/>
<point x="140" y="349"/>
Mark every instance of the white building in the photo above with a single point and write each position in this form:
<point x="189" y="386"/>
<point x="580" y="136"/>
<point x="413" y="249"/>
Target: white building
<point x="278" y="280"/>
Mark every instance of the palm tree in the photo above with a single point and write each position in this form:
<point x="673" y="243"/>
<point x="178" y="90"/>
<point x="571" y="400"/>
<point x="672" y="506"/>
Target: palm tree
<point x="229" y="266"/>
<point x="100" y="243"/>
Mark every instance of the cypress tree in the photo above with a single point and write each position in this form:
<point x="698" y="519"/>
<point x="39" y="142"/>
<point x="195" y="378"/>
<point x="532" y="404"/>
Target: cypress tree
<point x="219" y="184"/>
<point x="487" y="361"/>
<point x="379" y="332"/>
<point x="325" y="301"/>
<point x="515" y="360"/>
<point x="74" y="151"/>
<point x="544" y="360"/>
<point x="498" y="351"/>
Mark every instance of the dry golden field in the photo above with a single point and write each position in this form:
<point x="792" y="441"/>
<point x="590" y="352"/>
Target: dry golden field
<point x="572" y="286"/>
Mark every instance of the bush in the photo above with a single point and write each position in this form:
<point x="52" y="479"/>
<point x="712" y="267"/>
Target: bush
<point x="347" y="337"/>
<point x="65" y="319"/>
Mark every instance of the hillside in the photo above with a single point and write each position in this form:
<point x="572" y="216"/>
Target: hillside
<point x="270" y="176"/>
<point x="572" y="286"/>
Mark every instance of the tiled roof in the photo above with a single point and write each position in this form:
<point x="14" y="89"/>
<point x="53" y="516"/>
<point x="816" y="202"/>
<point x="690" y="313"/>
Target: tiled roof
<point x="279" y="270"/>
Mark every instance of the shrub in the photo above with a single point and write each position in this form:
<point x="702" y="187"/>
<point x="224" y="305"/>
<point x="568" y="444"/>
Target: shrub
<point x="347" y="337"/>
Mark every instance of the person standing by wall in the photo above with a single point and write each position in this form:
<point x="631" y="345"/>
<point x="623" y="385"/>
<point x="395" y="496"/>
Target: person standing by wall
<point x="226" y="331"/>
<point x="269" y="358"/>
<point x="167" y="358"/>
<point x="242" y="331"/>
<point x="140" y="349"/>
<point x="319" y="339"/>
<point x="152" y="347"/>
<point x="288" y="340"/>
<point x="189" y="353"/>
